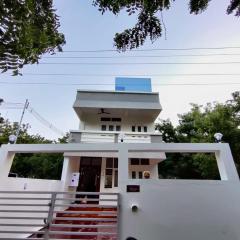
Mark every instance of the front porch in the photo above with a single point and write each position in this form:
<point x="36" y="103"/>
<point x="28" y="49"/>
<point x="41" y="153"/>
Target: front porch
<point x="149" y="208"/>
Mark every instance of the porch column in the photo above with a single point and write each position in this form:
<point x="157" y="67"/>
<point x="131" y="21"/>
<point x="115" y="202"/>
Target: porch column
<point x="122" y="182"/>
<point x="122" y="167"/>
<point x="70" y="165"/>
<point x="226" y="165"/>
<point x="6" y="160"/>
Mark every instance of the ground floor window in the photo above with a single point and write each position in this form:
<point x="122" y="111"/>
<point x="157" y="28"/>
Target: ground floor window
<point x="111" y="173"/>
<point x="137" y="175"/>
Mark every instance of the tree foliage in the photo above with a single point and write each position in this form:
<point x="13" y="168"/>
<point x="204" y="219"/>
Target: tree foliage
<point x="197" y="126"/>
<point x="33" y="165"/>
<point x="149" y="24"/>
<point x="28" y="29"/>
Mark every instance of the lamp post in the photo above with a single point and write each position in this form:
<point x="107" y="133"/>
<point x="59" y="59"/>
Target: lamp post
<point x="218" y="137"/>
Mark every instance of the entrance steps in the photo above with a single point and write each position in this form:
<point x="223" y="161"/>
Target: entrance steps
<point x="91" y="222"/>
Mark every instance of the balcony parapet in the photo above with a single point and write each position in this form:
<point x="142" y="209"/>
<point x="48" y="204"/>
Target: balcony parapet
<point x="84" y="136"/>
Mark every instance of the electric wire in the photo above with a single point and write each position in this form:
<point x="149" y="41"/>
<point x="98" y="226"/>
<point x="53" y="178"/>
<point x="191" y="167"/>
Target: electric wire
<point x="157" y="49"/>
<point x="112" y="84"/>
<point x="130" y="75"/>
<point x="142" y="56"/>
<point x="44" y="121"/>
<point x="137" y="63"/>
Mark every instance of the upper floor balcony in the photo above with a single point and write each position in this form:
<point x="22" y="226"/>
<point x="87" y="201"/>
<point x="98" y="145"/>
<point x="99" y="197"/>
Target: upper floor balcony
<point x="128" y="105"/>
<point x="83" y="136"/>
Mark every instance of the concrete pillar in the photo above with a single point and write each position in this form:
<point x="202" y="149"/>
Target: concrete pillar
<point x="122" y="182"/>
<point x="6" y="160"/>
<point x="70" y="165"/>
<point x="225" y="162"/>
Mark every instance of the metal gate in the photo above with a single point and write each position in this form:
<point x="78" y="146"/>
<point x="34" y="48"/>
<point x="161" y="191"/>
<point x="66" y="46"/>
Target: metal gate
<point x="58" y="215"/>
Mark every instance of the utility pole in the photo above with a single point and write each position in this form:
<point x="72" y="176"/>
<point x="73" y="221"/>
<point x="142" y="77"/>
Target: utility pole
<point x="20" y="122"/>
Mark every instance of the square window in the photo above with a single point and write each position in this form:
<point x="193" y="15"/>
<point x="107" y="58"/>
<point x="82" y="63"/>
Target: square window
<point x="118" y="128"/>
<point x="104" y="127"/>
<point x="109" y="163"/>
<point x="111" y="128"/>
<point x="144" y="161"/>
<point x="116" y="119"/>
<point x="103" y="119"/>
<point x="134" y="161"/>
<point x="115" y="163"/>
<point x="133" y="129"/>
<point x="116" y="178"/>
<point x="109" y="172"/>
<point x="108" y="181"/>
<point x="133" y="175"/>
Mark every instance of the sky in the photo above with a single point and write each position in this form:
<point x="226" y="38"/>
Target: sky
<point x="85" y="28"/>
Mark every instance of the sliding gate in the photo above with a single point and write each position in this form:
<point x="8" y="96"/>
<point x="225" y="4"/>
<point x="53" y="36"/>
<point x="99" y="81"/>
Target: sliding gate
<point x="58" y="215"/>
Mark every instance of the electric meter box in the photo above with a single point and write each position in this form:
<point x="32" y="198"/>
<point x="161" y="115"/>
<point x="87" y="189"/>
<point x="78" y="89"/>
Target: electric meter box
<point x="74" y="179"/>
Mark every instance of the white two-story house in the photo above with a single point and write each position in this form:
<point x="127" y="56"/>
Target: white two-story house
<point x="113" y="117"/>
<point x="103" y="195"/>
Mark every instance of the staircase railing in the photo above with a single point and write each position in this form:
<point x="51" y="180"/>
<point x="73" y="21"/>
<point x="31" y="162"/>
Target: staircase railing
<point x="58" y="215"/>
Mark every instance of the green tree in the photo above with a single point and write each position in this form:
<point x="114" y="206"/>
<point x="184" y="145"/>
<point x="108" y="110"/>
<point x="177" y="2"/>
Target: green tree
<point x="199" y="125"/>
<point x="34" y="165"/>
<point x="29" y="28"/>
<point x="149" y="23"/>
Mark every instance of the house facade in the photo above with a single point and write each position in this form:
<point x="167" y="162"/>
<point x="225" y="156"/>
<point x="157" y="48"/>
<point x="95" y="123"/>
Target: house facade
<point x="103" y="195"/>
<point x="112" y="117"/>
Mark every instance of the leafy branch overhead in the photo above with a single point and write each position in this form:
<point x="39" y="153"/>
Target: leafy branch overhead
<point x="30" y="28"/>
<point x="148" y="23"/>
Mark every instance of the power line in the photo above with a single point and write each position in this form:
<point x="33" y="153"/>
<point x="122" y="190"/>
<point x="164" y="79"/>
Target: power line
<point x="132" y="75"/>
<point x="111" y="84"/>
<point x="157" y="49"/>
<point x="143" y="56"/>
<point x="139" y="63"/>
<point x="44" y="121"/>
<point x="10" y="108"/>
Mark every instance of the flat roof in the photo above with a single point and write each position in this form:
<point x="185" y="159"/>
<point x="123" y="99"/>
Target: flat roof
<point x="118" y="92"/>
<point x="135" y="103"/>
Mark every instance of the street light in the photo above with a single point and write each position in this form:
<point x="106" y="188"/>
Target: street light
<point x="218" y="137"/>
<point x="12" y="138"/>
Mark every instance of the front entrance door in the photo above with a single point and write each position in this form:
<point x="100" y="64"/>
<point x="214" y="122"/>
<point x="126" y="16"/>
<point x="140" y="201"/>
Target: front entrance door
<point x="90" y="172"/>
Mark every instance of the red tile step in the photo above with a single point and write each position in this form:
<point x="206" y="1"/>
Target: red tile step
<point x="99" y="225"/>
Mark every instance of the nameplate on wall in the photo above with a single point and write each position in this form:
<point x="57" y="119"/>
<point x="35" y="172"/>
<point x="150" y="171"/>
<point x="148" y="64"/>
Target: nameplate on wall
<point x="133" y="188"/>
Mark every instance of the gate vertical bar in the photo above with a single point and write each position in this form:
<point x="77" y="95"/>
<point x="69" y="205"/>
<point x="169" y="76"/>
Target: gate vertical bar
<point x="50" y="215"/>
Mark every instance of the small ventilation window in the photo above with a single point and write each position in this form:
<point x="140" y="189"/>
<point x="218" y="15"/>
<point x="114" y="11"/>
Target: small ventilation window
<point x="116" y="119"/>
<point x="144" y="161"/>
<point x="134" y="161"/>
<point x="104" y="127"/>
<point x="104" y="119"/>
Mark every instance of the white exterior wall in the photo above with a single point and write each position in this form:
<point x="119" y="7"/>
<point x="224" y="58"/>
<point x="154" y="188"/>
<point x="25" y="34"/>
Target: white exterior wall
<point x="94" y="123"/>
<point x="181" y="209"/>
<point x="70" y="165"/>
<point x="167" y="209"/>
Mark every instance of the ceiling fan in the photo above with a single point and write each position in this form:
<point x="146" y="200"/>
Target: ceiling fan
<point x="102" y="111"/>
